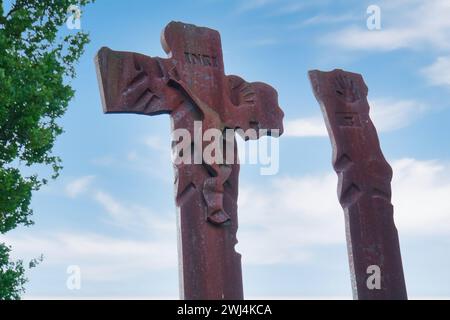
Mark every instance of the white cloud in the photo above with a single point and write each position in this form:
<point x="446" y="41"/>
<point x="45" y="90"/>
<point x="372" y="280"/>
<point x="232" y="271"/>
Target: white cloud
<point x="132" y="216"/>
<point x="280" y="222"/>
<point x="405" y="24"/>
<point x="306" y="127"/>
<point x="439" y="72"/>
<point x="100" y="257"/>
<point x="156" y="143"/>
<point x="386" y="114"/>
<point x="153" y="149"/>
<point x="78" y="186"/>
<point x="389" y="114"/>
<point x="149" y="242"/>
<point x="116" y="210"/>
<point x="128" y="216"/>
<point x="420" y="194"/>
<point x="286" y="221"/>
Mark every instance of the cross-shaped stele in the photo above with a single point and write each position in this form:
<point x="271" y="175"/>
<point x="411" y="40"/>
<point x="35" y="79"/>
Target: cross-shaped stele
<point x="191" y="86"/>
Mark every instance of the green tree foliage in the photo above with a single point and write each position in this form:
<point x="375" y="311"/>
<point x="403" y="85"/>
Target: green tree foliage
<point x="12" y="276"/>
<point x="36" y="62"/>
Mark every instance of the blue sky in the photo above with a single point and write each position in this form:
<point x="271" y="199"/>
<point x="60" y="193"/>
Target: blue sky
<point x="112" y="211"/>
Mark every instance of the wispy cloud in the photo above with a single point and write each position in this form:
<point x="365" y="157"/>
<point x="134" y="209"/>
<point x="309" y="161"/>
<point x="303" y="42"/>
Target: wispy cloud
<point x="322" y="19"/>
<point x="306" y="127"/>
<point x="386" y="114"/>
<point x="131" y="216"/>
<point x="152" y="157"/>
<point x="115" y="210"/>
<point x="150" y="241"/>
<point x="390" y="114"/>
<point x="405" y="24"/>
<point x="78" y="186"/>
<point x="156" y="143"/>
<point x="101" y="258"/>
<point x="438" y="73"/>
<point x="264" y="42"/>
<point x="250" y="5"/>
<point x="124" y="215"/>
<point x="280" y="7"/>
<point x="291" y="8"/>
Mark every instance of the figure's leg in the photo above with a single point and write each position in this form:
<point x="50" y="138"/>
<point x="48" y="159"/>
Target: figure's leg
<point x="213" y="193"/>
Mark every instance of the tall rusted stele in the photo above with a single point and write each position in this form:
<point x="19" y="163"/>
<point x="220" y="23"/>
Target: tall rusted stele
<point x="364" y="187"/>
<point x="192" y="87"/>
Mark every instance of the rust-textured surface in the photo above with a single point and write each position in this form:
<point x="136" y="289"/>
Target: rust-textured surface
<point x="191" y="85"/>
<point x="364" y="187"/>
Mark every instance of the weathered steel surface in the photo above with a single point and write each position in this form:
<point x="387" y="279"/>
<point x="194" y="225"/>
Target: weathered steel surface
<point x="191" y="86"/>
<point x="364" y="187"/>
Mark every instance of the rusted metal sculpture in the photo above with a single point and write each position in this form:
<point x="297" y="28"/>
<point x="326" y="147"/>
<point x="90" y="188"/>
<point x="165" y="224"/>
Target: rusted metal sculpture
<point x="191" y="86"/>
<point x="364" y="188"/>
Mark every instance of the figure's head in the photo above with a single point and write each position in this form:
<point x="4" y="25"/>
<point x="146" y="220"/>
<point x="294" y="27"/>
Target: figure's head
<point x="269" y="114"/>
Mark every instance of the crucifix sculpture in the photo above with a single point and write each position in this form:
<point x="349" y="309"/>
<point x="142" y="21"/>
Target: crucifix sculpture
<point x="364" y="188"/>
<point x="191" y="86"/>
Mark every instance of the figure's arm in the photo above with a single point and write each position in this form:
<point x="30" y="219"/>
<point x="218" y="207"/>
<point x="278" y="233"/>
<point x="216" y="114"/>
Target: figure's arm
<point x="254" y="106"/>
<point x="211" y="116"/>
<point x="134" y="83"/>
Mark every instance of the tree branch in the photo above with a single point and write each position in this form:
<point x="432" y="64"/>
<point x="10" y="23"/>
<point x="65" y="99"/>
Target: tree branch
<point x="17" y="6"/>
